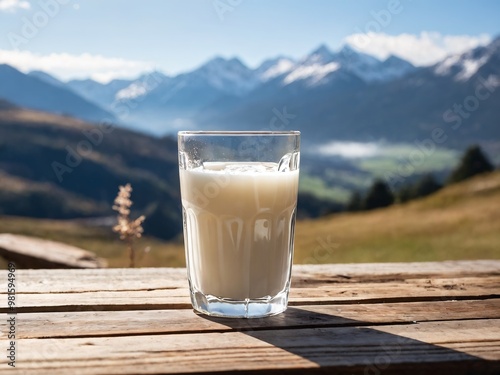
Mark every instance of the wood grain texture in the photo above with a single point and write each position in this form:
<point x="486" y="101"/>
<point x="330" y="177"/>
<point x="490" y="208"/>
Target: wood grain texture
<point x="407" y="318"/>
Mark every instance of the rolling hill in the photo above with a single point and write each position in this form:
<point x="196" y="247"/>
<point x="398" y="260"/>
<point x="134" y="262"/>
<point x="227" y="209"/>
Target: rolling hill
<point x="461" y="221"/>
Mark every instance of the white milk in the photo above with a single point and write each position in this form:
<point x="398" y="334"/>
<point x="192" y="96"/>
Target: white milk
<point x="239" y="229"/>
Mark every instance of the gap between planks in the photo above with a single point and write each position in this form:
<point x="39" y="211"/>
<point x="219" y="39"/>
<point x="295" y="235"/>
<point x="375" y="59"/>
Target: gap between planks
<point x="185" y="305"/>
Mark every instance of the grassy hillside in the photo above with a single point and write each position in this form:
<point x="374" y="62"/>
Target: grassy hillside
<point x="458" y="222"/>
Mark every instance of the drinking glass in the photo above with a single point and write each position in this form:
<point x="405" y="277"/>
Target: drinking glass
<point x="239" y="199"/>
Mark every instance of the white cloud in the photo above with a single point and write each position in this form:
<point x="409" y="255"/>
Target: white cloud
<point x="13" y="5"/>
<point x="424" y="49"/>
<point x="66" y="66"/>
<point x="350" y="150"/>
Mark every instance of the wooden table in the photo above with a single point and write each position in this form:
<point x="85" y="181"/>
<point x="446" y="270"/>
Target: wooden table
<point x="399" y="318"/>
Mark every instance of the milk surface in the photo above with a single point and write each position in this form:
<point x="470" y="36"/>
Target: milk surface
<point x="239" y="228"/>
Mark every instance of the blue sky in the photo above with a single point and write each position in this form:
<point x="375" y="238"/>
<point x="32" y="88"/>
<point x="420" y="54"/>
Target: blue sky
<point x="107" y="38"/>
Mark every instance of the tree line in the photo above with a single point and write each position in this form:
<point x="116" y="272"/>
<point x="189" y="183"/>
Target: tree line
<point x="379" y="195"/>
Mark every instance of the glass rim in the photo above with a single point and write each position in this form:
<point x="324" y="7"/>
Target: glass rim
<point x="237" y="132"/>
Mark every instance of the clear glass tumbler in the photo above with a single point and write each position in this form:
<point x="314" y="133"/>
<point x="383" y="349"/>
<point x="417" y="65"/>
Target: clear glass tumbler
<point x="239" y="198"/>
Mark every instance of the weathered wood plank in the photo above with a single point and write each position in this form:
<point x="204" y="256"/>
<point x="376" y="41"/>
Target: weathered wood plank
<point x="95" y="280"/>
<point x="338" y="293"/>
<point x="99" y="323"/>
<point x="58" y="281"/>
<point x="32" y="252"/>
<point x="458" y="347"/>
<point x="396" y="271"/>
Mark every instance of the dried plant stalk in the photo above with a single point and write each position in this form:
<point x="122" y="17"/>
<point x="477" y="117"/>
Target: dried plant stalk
<point x="128" y="229"/>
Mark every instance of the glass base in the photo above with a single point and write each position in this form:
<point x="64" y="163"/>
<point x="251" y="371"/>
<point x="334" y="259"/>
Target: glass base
<point x="249" y="308"/>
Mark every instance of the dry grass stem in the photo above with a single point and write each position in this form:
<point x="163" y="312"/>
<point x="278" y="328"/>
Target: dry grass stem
<point x="128" y="229"/>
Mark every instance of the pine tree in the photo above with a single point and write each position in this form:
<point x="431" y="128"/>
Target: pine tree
<point x="355" y="202"/>
<point x="473" y="162"/>
<point x="378" y="196"/>
<point x="425" y="186"/>
<point x="405" y="194"/>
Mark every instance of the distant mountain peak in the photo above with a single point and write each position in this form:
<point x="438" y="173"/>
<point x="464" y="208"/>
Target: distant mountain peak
<point x="274" y="67"/>
<point x="322" y="54"/>
<point x="227" y="75"/>
<point x="349" y="54"/>
<point x="347" y="49"/>
<point x="221" y="62"/>
<point x="395" y="59"/>
<point x="321" y="65"/>
<point x="236" y="60"/>
<point x="322" y="49"/>
<point x="396" y="62"/>
<point x="154" y="73"/>
<point x="464" y="66"/>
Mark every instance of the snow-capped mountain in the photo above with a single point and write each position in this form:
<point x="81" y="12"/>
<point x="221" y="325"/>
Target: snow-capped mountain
<point x="140" y="87"/>
<point x="319" y="67"/>
<point x="172" y="101"/>
<point x="312" y="69"/>
<point x="167" y="101"/>
<point x="161" y="103"/>
<point x="464" y="66"/>
<point x="351" y="96"/>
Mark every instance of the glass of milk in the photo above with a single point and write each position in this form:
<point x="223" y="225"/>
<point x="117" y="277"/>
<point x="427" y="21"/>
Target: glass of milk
<point x="239" y="198"/>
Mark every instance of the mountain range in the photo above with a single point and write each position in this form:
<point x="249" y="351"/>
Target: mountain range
<point x="349" y="96"/>
<point x="343" y="95"/>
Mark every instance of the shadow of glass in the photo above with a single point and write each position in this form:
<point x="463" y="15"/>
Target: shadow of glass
<point x="334" y="344"/>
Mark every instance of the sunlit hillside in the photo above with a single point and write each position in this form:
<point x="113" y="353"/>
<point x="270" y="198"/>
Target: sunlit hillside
<point x="459" y="222"/>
